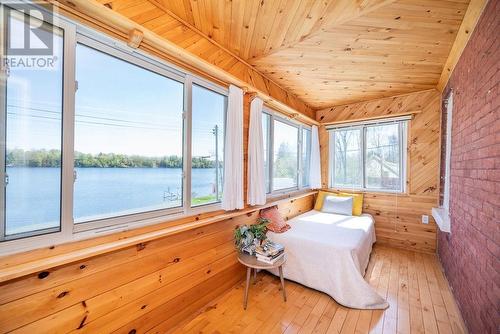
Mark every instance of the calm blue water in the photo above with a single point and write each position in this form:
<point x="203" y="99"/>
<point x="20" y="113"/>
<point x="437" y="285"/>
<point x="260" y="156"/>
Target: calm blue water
<point x="33" y="194"/>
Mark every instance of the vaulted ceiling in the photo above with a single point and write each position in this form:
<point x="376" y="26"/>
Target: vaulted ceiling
<point x="326" y="52"/>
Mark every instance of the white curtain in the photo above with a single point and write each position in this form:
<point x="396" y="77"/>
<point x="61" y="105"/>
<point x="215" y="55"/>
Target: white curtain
<point x="256" y="175"/>
<point x="315" y="167"/>
<point x="232" y="197"/>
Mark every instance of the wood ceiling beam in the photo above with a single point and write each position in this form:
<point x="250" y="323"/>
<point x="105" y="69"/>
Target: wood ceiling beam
<point x="167" y="37"/>
<point x="468" y="25"/>
<point x="337" y="13"/>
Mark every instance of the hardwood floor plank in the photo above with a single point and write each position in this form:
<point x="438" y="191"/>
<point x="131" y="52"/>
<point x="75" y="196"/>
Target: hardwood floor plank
<point x="278" y="312"/>
<point x="403" y="316"/>
<point x="350" y="322"/>
<point x="373" y="277"/>
<point x="377" y="321"/>
<point x="338" y="321"/>
<point x="294" y="308"/>
<point x="315" y="314"/>
<point x="363" y="325"/>
<point x="391" y="314"/>
<point x="416" y="319"/>
<point x="430" y="325"/>
<point x="304" y="312"/>
<point x="456" y="321"/>
<point x="326" y="317"/>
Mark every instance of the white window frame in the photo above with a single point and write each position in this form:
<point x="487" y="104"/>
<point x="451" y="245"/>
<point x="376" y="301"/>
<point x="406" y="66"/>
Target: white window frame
<point x="275" y="116"/>
<point x="307" y="128"/>
<point x="403" y="123"/>
<point x="69" y="231"/>
<point x="122" y="218"/>
<point x="64" y="230"/>
<point x="447" y="177"/>
<point x="442" y="214"/>
<point x="190" y="210"/>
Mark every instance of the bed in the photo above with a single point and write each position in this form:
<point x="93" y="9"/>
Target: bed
<point x="330" y="253"/>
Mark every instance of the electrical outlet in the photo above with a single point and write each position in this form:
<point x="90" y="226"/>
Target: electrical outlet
<point x="425" y="219"/>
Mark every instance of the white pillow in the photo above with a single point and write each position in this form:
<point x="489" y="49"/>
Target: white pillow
<point x="340" y="205"/>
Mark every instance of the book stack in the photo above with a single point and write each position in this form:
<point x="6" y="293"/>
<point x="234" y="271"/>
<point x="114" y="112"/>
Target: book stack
<point x="270" y="252"/>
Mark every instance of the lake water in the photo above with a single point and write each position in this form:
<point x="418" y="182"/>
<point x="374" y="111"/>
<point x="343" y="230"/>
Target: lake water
<point x="33" y="195"/>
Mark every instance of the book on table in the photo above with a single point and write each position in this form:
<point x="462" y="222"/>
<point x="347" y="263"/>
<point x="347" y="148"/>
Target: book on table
<point x="270" y="260"/>
<point x="270" y="252"/>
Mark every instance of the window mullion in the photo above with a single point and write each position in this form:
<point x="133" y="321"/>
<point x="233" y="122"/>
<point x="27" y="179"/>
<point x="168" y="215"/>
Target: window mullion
<point x="3" y="115"/>
<point x="401" y="160"/>
<point x="68" y="127"/>
<point x="187" y="151"/>
<point x="331" y="155"/>
<point x="299" y="158"/>
<point x="363" y="157"/>
<point x="271" y="154"/>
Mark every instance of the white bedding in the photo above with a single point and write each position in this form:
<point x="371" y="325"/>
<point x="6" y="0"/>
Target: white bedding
<point x="330" y="253"/>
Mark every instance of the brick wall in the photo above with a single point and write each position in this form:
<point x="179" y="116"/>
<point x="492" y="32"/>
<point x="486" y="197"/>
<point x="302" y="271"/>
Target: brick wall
<point x="471" y="253"/>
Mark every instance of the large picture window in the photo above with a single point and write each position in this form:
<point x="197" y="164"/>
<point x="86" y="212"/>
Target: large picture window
<point x="31" y="153"/>
<point x="369" y="156"/>
<point x="128" y="138"/>
<point x="107" y="138"/>
<point x="287" y="147"/>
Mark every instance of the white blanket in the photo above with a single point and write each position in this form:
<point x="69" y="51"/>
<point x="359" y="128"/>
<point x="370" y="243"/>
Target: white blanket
<point x="330" y="253"/>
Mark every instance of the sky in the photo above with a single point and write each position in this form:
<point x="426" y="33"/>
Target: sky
<point x="284" y="134"/>
<point x="119" y="108"/>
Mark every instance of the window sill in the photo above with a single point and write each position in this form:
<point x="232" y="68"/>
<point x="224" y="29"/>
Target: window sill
<point x="286" y="193"/>
<point x="442" y="219"/>
<point x="369" y="191"/>
<point x="17" y="270"/>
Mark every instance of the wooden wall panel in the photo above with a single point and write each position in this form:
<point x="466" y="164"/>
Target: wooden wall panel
<point x="144" y="287"/>
<point x="398" y="216"/>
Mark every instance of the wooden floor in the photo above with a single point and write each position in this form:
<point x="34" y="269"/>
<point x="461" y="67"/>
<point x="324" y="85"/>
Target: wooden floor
<point x="413" y="283"/>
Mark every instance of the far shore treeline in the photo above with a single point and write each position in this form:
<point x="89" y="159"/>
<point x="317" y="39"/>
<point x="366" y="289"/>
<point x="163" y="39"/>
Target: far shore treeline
<point x="52" y="158"/>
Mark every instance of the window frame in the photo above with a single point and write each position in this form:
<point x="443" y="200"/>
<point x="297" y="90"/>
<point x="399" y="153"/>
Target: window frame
<point x="68" y="230"/>
<point x="125" y="218"/>
<point x="64" y="229"/>
<point x="403" y="127"/>
<point x="276" y="116"/>
<point x="305" y="128"/>
<point x="447" y="162"/>
<point x="190" y="209"/>
<point x="442" y="214"/>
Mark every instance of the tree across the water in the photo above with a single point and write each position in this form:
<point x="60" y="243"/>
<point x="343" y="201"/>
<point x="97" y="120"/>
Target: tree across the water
<point x="52" y="158"/>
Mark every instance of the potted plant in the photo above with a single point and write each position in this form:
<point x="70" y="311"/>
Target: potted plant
<point x="246" y="237"/>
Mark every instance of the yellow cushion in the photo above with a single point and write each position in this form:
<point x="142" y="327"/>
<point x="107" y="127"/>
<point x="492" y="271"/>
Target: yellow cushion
<point x="357" y="201"/>
<point x="320" y="199"/>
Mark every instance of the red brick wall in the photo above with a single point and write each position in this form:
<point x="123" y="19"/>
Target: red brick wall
<point x="471" y="253"/>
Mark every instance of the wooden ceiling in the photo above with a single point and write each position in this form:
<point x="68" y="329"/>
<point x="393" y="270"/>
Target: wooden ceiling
<point x="326" y="52"/>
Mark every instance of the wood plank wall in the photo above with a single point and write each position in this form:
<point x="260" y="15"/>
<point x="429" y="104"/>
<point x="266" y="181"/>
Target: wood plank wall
<point x="144" y="288"/>
<point x="398" y="216"/>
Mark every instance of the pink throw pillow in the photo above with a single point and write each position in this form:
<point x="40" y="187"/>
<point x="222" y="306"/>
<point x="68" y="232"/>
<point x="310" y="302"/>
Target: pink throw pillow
<point x="276" y="223"/>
